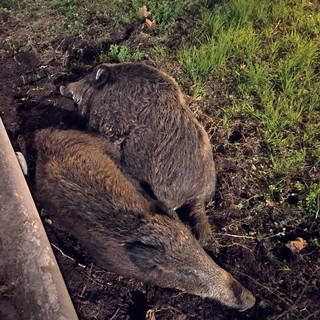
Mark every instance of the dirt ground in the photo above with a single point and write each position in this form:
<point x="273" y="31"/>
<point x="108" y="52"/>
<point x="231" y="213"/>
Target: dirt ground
<point x="283" y="282"/>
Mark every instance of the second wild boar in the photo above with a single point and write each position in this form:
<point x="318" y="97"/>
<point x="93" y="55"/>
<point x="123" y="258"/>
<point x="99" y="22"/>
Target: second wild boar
<point x="84" y="191"/>
<point x="162" y="145"/>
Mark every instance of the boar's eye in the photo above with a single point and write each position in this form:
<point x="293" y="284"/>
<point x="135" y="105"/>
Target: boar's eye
<point x="102" y="76"/>
<point x="146" y="257"/>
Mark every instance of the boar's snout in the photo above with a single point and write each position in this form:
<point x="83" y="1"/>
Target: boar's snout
<point x="246" y="298"/>
<point x="241" y="298"/>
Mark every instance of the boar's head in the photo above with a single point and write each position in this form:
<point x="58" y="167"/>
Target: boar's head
<point x="166" y="253"/>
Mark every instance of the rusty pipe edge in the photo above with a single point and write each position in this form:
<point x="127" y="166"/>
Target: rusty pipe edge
<point x="32" y="287"/>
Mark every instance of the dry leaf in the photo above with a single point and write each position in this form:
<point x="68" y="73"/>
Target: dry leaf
<point x="150" y="24"/>
<point x="270" y="203"/>
<point x="144" y="12"/>
<point x="181" y="317"/>
<point x="151" y="315"/>
<point x="3" y="289"/>
<point x="296" y="245"/>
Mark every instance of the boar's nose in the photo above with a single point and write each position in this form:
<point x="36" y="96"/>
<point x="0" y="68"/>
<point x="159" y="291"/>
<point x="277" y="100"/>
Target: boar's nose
<point x="248" y="300"/>
<point x="243" y="299"/>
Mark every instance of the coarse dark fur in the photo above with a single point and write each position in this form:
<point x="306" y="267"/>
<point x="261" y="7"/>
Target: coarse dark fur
<point x="162" y="145"/>
<point x="85" y="192"/>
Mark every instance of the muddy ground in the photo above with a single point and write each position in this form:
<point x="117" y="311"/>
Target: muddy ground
<point x="283" y="282"/>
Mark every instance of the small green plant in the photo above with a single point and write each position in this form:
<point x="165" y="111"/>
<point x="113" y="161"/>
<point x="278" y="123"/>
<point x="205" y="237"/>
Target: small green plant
<point x="121" y="54"/>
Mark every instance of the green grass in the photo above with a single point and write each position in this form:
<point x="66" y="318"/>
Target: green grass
<point x="269" y="54"/>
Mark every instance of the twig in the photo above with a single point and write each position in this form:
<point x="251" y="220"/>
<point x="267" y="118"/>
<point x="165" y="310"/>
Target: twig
<point x="16" y="60"/>
<point x="83" y="290"/>
<point x="248" y="237"/>
<point x="63" y="252"/>
<point x="273" y="236"/>
<point x="169" y="308"/>
<point x="237" y="244"/>
<point x="115" y="314"/>
<point x="276" y="26"/>
<point x="233" y="235"/>
<point x="310" y="316"/>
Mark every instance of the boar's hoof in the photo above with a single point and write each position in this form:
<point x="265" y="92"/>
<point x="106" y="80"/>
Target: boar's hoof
<point x="64" y="92"/>
<point x="62" y="88"/>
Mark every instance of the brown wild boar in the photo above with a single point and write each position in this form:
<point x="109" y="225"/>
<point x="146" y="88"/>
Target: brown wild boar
<point x="162" y="145"/>
<point x="87" y="194"/>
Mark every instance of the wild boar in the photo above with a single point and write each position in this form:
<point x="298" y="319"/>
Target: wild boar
<point x="83" y="190"/>
<point x="162" y="145"/>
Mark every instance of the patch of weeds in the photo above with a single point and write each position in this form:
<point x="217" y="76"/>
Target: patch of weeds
<point x="121" y="54"/>
<point x="74" y="19"/>
<point x="32" y="8"/>
<point x="65" y="7"/>
<point x="165" y="12"/>
<point x="162" y="12"/>
<point x="161" y="51"/>
<point x="309" y="201"/>
<point x="304" y="199"/>
<point x="8" y="4"/>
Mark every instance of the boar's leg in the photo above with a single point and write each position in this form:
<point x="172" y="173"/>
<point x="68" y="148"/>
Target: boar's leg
<point x="194" y="216"/>
<point x="202" y="226"/>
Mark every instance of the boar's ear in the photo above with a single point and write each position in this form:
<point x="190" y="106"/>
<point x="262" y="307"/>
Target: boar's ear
<point x="102" y="76"/>
<point x="146" y="257"/>
<point x="160" y="208"/>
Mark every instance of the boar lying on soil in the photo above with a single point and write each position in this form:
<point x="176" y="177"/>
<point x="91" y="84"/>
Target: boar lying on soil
<point x="162" y="145"/>
<point x="87" y="194"/>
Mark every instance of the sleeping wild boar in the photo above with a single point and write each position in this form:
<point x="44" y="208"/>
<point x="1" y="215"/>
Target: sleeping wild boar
<point x="84" y="191"/>
<point x="162" y="145"/>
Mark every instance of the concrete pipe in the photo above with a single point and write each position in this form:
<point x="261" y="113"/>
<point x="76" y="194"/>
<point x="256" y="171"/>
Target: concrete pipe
<point x="31" y="285"/>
